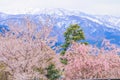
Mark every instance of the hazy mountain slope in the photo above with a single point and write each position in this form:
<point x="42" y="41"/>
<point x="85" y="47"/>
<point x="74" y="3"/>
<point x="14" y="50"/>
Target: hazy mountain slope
<point x="96" y="28"/>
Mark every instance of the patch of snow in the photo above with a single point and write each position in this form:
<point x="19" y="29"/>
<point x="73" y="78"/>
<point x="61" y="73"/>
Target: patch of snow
<point x="92" y="19"/>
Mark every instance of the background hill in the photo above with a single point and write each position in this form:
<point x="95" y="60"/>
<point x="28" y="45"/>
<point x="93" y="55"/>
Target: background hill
<point x="95" y="27"/>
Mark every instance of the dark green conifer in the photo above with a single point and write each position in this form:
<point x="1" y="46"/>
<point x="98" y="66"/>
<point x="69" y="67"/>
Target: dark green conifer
<point x="73" y="33"/>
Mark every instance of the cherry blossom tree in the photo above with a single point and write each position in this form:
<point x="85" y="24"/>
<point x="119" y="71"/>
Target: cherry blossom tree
<point x="25" y="57"/>
<point x="89" y="62"/>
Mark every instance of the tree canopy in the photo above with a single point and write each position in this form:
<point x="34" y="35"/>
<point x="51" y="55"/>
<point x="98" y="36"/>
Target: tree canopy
<point x="73" y="33"/>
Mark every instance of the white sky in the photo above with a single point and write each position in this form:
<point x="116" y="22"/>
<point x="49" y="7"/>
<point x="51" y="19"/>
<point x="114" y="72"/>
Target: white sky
<point x="104" y="7"/>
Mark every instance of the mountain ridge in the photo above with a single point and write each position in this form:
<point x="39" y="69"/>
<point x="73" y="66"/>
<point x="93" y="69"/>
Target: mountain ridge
<point x="96" y="28"/>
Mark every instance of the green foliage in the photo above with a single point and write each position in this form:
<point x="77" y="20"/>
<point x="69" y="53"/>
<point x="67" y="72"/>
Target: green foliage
<point x="62" y="52"/>
<point x="86" y="43"/>
<point x="40" y="70"/>
<point x="3" y="74"/>
<point x="73" y="33"/>
<point x="64" y="61"/>
<point x="2" y="66"/>
<point x="52" y="72"/>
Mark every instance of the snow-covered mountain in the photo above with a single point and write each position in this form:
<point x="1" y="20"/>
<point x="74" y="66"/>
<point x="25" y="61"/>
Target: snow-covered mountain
<point x="95" y="27"/>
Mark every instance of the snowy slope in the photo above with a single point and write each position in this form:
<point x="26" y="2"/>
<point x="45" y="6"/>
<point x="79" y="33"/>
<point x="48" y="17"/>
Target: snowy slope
<point x="95" y="27"/>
